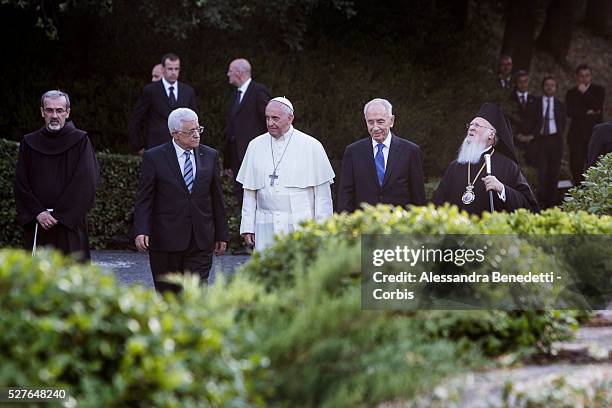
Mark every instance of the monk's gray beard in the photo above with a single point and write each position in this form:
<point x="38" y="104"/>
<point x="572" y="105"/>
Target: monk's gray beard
<point x="470" y="151"/>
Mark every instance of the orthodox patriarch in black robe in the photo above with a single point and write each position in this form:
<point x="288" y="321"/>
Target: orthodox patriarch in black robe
<point x="59" y="171"/>
<point x="453" y="186"/>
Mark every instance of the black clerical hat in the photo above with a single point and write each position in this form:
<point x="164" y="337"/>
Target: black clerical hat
<point x="495" y="116"/>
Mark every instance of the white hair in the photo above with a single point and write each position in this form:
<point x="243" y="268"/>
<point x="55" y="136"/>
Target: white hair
<point x="380" y="101"/>
<point x="55" y="94"/>
<point x="180" y="115"/>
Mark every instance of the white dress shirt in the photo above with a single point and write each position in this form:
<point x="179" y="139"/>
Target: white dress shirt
<point x="522" y="96"/>
<point x="167" y="86"/>
<point x="551" y="119"/>
<point x="243" y="88"/>
<point x="180" y="155"/>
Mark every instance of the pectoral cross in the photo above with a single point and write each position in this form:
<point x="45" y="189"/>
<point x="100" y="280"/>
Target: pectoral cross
<point x="273" y="177"/>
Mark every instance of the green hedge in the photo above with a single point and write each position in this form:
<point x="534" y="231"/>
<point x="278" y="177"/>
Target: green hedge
<point x="594" y="194"/>
<point x="287" y="330"/>
<point x="275" y="266"/>
<point x="110" y="221"/>
<point x="72" y="327"/>
<point x="496" y="331"/>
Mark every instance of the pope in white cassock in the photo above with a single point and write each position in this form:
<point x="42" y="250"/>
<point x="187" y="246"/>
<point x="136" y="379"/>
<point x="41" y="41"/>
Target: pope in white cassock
<point x="286" y="177"/>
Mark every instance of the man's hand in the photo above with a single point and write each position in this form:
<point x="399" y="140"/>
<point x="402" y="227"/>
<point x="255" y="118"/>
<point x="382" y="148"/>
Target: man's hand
<point x="140" y="152"/>
<point x="492" y="183"/>
<point x="524" y="138"/>
<point x="46" y="220"/>
<point x="220" y="247"/>
<point x="249" y="239"/>
<point x="142" y="243"/>
<point x="229" y="173"/>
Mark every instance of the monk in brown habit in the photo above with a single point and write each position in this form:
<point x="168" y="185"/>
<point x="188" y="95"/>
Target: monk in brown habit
<point x="56" y="178"/>
<point x="466" y="183"/>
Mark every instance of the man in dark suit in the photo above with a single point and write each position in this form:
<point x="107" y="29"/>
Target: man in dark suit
<point x="522" y="102"/>
<point x="382" y="168"/>
<point x="180" y="214"/>
<point x="547" y="118"/>
<point x="157" y="101"/>
<point x="601" y="142"/>
<point x="504" y="76"/>
<point x="585" y="109"/>
<point x="246" y="118"/>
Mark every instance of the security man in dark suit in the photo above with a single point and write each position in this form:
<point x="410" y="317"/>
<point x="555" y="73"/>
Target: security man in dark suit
<point x="522" y="101"/>
<point x="180" y="213"/>
<point x="382" y="168"/>
<point x="547" y="118"/>
<point x="157" y="101"/>
<point x="246" y="118"/>
<point x="585" y="104"/>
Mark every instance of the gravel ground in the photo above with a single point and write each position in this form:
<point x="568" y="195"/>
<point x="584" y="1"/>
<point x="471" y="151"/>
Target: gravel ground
<point x="133" y="267"/>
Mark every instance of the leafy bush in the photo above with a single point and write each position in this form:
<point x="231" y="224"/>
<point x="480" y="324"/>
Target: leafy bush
<point x="276" y="265"/>
<point x="290" y="257"/>
<point x="594" y="194"/>
<point x="327" y="352"/>
<point x="70" y="326"/>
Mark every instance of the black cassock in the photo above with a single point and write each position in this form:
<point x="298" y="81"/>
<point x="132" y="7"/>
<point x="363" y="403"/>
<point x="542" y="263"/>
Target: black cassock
<point x="518" y="193"/>
<point x="57" y="170"/>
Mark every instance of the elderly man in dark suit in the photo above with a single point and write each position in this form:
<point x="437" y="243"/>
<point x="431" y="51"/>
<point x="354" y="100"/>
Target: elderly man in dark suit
<point x="180" y="213"/>
<point x="383" y="168"/>
<point x="157" y="101"/>
<point x="547" y="119"/>
<point x="246" y="118"/>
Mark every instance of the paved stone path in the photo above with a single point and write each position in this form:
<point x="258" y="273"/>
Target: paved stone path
<point x="133" y="267"/>
<point x="580" y="367"/>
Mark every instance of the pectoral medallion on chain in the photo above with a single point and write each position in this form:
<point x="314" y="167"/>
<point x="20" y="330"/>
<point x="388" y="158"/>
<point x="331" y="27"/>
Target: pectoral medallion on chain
<point x="469" y="196"/>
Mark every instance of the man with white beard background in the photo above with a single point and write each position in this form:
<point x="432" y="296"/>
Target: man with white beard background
<point x="465" y="182"/>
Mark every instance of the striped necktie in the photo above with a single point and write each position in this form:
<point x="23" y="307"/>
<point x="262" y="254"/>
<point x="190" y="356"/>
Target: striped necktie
<point x="188" y="171"/>
<point x="379" y="160"/>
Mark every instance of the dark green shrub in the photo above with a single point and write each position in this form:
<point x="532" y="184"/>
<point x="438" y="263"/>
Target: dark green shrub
<point x="496" y="331"/>
<point x="276" y="265"/>
<point x="70" y="326"/>
<point x="10" y="232"/>
<point x="326" y="352"/>
<point x="594" y="194"/>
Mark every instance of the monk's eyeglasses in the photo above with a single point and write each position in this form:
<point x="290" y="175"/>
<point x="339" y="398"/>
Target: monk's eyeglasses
<point x="59" y="111"/>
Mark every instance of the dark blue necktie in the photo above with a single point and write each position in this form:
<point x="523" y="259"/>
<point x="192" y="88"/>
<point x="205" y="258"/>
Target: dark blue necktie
<point x="188" y="171"/>
<point x="379" y="159"/>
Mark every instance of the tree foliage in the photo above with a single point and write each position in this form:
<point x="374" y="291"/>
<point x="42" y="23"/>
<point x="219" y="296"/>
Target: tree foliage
<point x="47" y="13"/>
<point x="288" y="17"/>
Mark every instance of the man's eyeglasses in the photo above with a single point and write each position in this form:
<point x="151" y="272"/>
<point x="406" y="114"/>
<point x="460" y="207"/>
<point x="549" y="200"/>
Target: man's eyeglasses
<point x="193" y="132"/>
<point x="59" y="111"/>
<point x="477" y="126"/>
